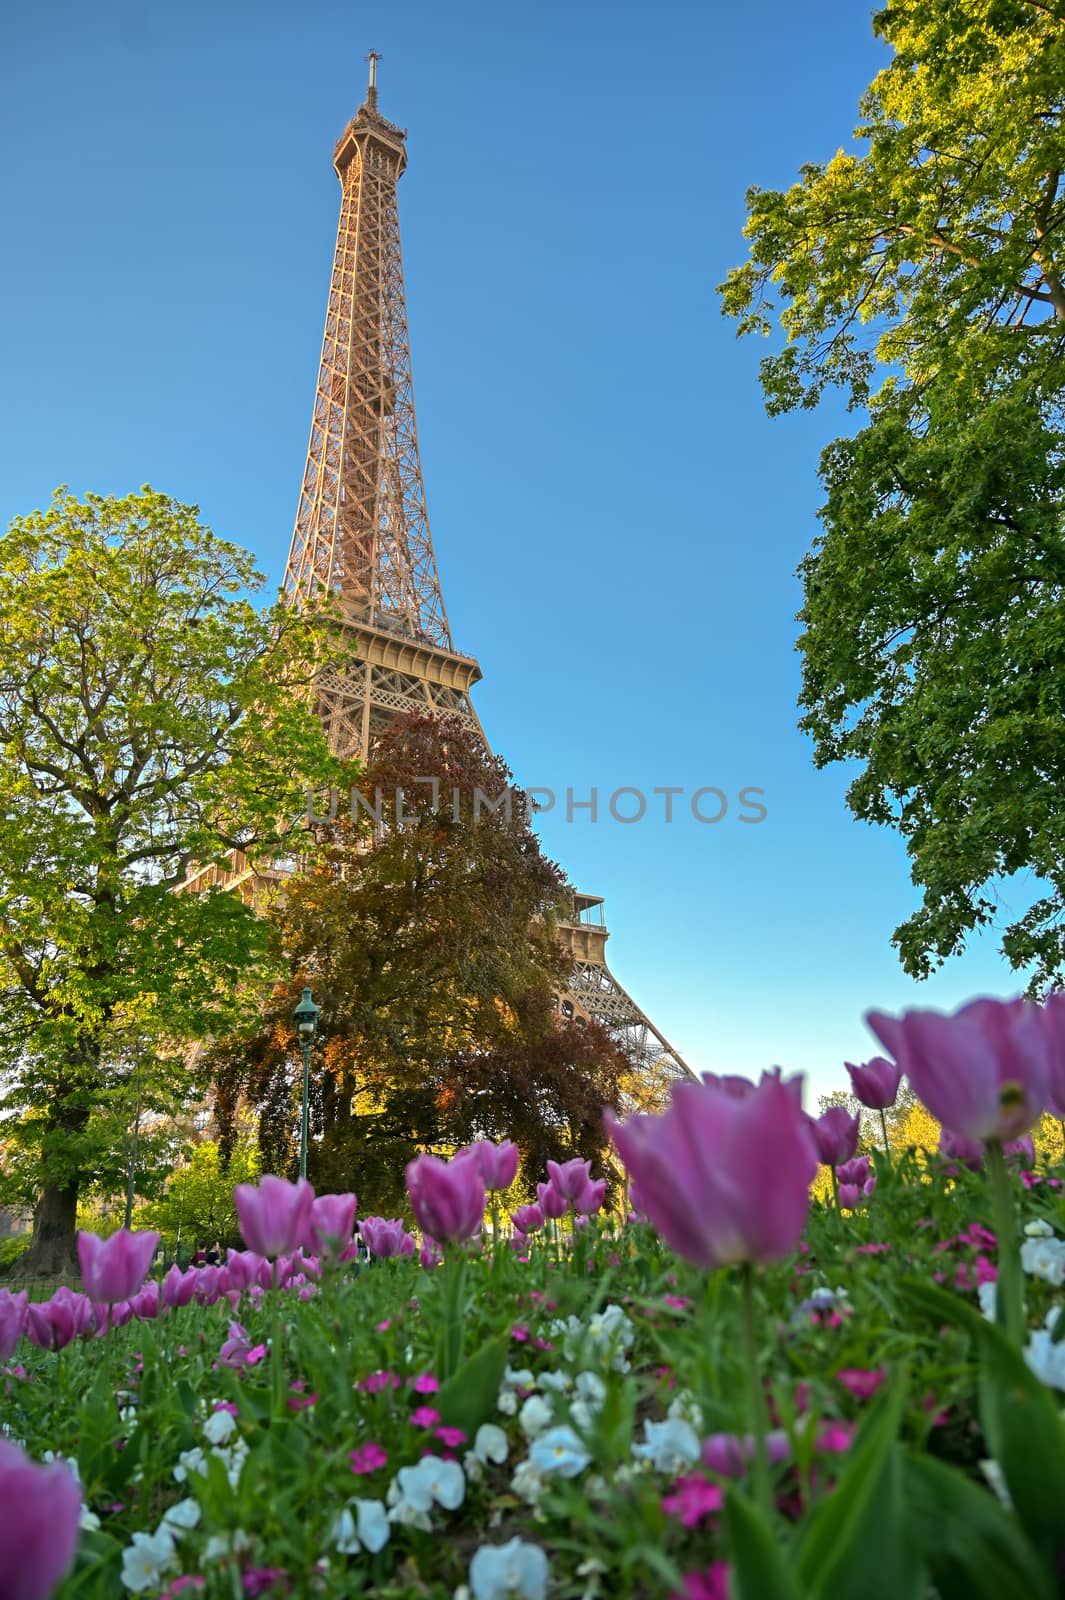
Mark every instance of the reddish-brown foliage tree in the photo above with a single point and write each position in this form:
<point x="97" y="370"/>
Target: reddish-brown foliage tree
<point x="428" y="936"/>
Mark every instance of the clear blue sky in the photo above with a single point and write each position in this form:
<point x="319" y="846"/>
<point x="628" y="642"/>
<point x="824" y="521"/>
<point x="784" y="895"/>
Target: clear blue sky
<point x="617" y="523"/>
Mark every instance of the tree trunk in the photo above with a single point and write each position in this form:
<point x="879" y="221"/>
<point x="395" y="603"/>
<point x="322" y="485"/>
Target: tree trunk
<point x="53" y="1252"/>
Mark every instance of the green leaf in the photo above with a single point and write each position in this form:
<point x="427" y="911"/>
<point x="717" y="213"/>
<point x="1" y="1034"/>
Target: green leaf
<point x="856" y="1546"/>
<point x="469" y="1398"/>
<point x="760" y="1569"/>
<point x="1021" y="1421"/>
<point x="974" y="1548"/>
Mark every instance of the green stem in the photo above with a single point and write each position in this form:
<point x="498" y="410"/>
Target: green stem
<point x="755" y="1392"/>
<point x="1061" y="1125"/>
<point x="835" y="1187"/>
<point x="1009" y="1289"/>
<point x="452" y="1342"/>
<point x="887" y="1142"/>
<point x="275" y="1346"/>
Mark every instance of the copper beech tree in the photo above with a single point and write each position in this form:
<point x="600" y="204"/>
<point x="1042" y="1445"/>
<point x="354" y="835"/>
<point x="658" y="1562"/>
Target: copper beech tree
<point x="428" y="934"/>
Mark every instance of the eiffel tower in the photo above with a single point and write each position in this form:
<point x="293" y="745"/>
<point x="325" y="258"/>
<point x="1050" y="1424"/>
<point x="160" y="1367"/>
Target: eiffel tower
<point x="362" y="533"/>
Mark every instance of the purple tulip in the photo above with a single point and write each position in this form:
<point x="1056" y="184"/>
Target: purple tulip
<point x="120" y="1313"/>
<point x="497" y="1163"/>
<point x="242" y="1268"/>
<point x="274" y="1216"/>
<point x="447" y="1198"/>
<point x="850" y="1197"/>
<point x="983" y="1071"/>
<point x="590" y="1198"/>
<point x="12" y="1320"/>
<point x="210" y="1283"/>
<point x="835" y="1133"/>
<point x="385" y="1237"/>
<point x="876" y="1084"/>
<point x="571" y="1178"/>
<point x="528" y="1219"/>
<point x="145" y="1305"/>
<point x="178" y="1287"/>
<point x="332" y="1223"/>
<point x="697" y="1167"/>
<point x="430" y="1255"/>
<point x="50" y="1324"/>
<point x="81" y="1309"/>
<point x="39" y="1525"/>
<point x="963" y="1152"/>
<point x="855" y="1171"/>
<point x="1020" y="1151"/>
<point x="742" y="1088"/>
<point x="551" y="1202"/>
<point x="114" y="1269"/>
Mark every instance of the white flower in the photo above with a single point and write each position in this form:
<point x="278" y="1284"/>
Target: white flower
<point x="219" y="1426"/>
<point x="1045" y="1258"/>
<point x="669" y="1446"/>
<point x="374" y="1532"/>
<point x="1046" y="1359"/>
<point x="507" y="1402"/>
<point x="224" y="1544"/>
<point x="88" y="1521"/>
<point x="1038" y="1230"/>
<point x="342" y="1533"/>
<point x="687" y="1408"/>
<point x="145" y="1561"/>
<point x="182" y="1516"/>
<point x="985" y="1294"/>
<point x="536" y="1415"/>
<point x="528" y="1481"/>
<point x="996" y="1482"/>
<point x="559" y="1450"/>
<point x="432" y="1480"/>
<point x="498" y="1572"/>
<point x="593" y="1570"/>
<point x="490" y="1443"/>
<point x="192" y="1460"/>
<point x="558" y="1382"/>
<point x="591" y="1389"/>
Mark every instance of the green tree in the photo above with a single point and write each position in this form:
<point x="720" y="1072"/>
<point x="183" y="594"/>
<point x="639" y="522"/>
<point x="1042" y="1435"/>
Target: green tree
<point x="924" y="273"/>
<point x="435" y="960"/>
<point x="151" y="718"/>
<point x="196" y="1206"/>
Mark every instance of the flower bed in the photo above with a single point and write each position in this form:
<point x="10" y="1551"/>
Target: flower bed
<point x="579" y="1410"/>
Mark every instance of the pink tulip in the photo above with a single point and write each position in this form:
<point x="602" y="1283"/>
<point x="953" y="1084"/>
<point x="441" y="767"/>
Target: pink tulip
<point x="12" y="1320"/>
<point x="876" y="1084"/>
<point x="114" y="1269"/>
<point x="242" y="1268"/>
<point x="497" y="1163"/>
<point x="38" y="1525"/>
<point x="528" y="1219"/>
<point x="1053" y="1028"/>
<point x="698" y="1169"/>
<point x="551" y="1202"/>
<point x="850" y="1197"/>
<point x="965" y="1152"/>
<point x="855" y="1171"/>
<point x="332" y="1223"/>
<point x="120" y="1313"/>
<point x="835" y="1133"/>
<point x="145" y="1305"/>
<point x="447" y="1198"/>
<point x="983" y="1071"/>
<point x="81" y="1309"/>
<point x="742" y="1088"/>
<point x="386" y="1237"/>
<point x="590" y="1198"/>
<point x="273" y="1216"/>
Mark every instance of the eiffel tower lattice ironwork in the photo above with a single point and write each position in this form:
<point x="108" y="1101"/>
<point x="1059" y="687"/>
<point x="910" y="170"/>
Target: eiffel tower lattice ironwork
<point x="362" y="531"/>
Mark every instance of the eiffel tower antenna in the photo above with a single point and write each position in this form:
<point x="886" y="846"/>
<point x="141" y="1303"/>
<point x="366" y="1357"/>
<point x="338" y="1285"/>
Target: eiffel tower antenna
<point x="362" y="532"/>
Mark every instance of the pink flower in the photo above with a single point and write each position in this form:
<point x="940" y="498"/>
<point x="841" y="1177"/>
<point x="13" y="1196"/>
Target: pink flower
<point x="528" y="1219"/>
<point x="850" y="1197"/>
<point x="835" y="1437"/>
<point x="728" y="1454"/>
<point x="447" y="1198"/>
<point x="430" y="1255"/>
<point x="50" y="1324"/>
<point x="178" y="1586"/>
<point x="114" y="1269"/>
<point x="368" y="1458"/>
<point x="713" y="1584"/>
<point x="242" y="1268"/>
<point x="386" y="1237"/>
<point x="856" y="1171"/>
<point x="12" y="1320"/>
<point x="591" y="1197"/>
<point x="378" y="1381"/>
<point x="178" y="1287"/>
<point x="693" y="1500"/>
<point x="424" y="1383"/>
<point x="273" y="1217"/>
<point x="983" y="1071"/>
<point x="571" y="1178"/>
<point x="38" y="1525"/>
<point x="696" y="1166"/>
<point x="861" y="1382"/>
<point x="260" y="1580"/>
<point x="836" y="1134"/>
<point x="876" y="1084"/>
<point x="451" y="1437"/>
<point x="497" y="1163"/>
<point x="551" y="1202"/>
<point x="331" y="1225"/>
<point x="425" y="1417"/>
<point x="145" y="1305"/>
<point x="1053" y="1024"/>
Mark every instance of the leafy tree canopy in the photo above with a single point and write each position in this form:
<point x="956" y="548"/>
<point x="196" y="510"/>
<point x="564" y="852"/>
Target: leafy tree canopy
<point x="151" y="718"/>
<point x="434" y="960"/>
<point x="924" y="273"/>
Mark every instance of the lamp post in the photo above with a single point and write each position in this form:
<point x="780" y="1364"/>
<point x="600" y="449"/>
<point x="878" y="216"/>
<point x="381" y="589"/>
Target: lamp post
<point x="306" y="1018"/>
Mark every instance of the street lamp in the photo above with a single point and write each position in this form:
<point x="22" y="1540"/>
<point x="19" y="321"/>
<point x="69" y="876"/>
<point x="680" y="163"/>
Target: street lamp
<point x="306" y="1019"/>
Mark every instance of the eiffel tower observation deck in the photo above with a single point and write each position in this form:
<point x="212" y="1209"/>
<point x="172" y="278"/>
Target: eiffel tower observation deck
<point x="362" y="534"/>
